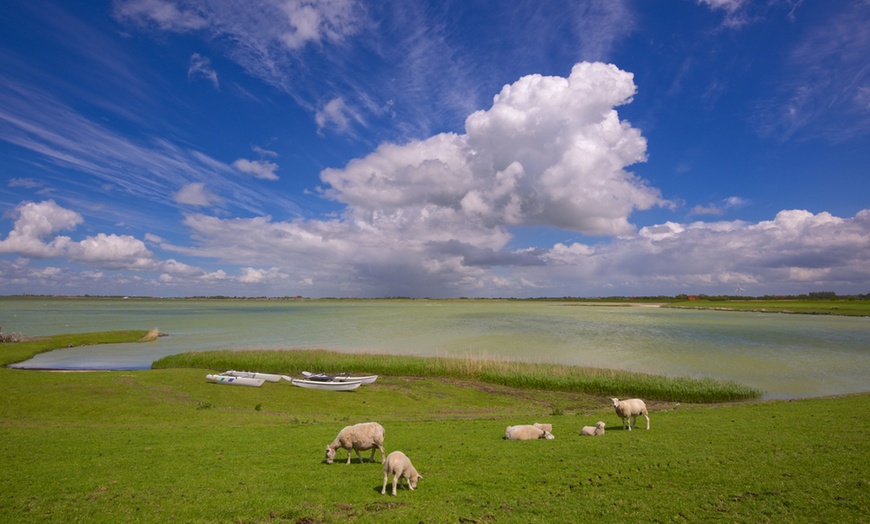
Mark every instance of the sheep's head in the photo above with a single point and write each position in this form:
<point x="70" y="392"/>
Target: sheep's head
<point x="600" y="425"/>
<point x="547" y="435"/>
<point x="330" y="455"/>
<point x="413" y="480"/>
<point x="615" y="402"/>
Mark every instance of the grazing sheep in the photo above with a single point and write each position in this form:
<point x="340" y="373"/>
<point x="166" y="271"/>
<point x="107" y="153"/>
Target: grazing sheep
<point x="399" y="466"/>
<point x="526" y="433"/>
<point x="545" y="427"/>
<point x="367" y="435"/>
<point x="630" y="408"/>
<point x="593" y="431"/>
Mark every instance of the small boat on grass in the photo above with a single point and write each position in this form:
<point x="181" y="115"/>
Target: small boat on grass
<point x="328" y="385"/>
<point x="268" y="377"/>
<point x="235" y="381"/>
<point x="341" y="377"/>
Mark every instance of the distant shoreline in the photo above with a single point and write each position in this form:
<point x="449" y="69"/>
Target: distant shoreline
<point x="618" y="304"/>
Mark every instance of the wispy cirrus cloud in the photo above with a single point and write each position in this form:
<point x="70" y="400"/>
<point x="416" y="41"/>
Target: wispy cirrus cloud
<point x="824" y="85"/>
<point x="145" y="168"/>
<point x="200" y="67"/>
<point x="419" y="77"/>
<point x="726" y="204"/>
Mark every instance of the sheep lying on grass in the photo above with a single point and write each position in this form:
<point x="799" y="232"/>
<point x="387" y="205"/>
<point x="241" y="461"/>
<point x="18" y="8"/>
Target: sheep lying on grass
<point x="630" y="408"/>
<point x="593" y="431"/>
<point x="359" y="437"/>
<point x="399" y="466"/>
<point x="526" y="432"/>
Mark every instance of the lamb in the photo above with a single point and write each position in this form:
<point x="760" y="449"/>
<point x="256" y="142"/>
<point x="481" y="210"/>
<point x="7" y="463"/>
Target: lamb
<point x="593" y="431"/>
<point x="630" y="408"/>
<point x="399" y="466"/>
<point x="526" y="432"/>
<point x="367" y="435"/>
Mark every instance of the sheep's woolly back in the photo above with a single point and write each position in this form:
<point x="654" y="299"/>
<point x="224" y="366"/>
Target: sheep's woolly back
<point x="399" y="466"/>
<point x="364" y="433"/>
<point x="593" y="431"/>
<point x="526" y="432"/>
<point x="630" y="408"/>
<point x="362" y="436"/>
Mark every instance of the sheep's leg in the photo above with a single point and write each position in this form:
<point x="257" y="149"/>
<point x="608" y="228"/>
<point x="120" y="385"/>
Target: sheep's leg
<point x="383" y="456"/>
<point x="384" y="489"/>
<point x="372" y="458"/>
<point x="396" y="477"/>
<point x="408" y="482"/>
<point x="647" y="421"/>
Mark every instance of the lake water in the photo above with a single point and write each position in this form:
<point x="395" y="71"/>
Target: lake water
<point x="788" y="356"/>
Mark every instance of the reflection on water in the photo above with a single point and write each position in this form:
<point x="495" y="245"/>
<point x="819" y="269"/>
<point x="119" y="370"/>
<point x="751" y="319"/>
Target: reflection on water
<point x="788" y="356"/>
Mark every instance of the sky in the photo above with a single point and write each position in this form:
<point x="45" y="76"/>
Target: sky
<point x="444" y="148"/>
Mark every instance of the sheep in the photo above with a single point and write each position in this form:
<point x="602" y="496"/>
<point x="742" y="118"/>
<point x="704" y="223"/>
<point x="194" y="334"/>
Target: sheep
<point x="363" y="436"/>
<point x="399" y="466"/>
<point x="630" y="408"/>
<point x="593" y="431"/>
<point x="526" y="433"/>
<point x="545" y="427"/>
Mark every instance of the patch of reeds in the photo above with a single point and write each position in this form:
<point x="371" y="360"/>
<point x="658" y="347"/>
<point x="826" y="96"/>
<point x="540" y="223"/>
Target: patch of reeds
<point x="151" y="336"/>
<point x="596" y="381"/>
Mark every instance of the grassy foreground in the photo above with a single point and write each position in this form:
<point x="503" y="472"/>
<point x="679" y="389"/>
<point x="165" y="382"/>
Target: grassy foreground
<point x="166" y="445"/>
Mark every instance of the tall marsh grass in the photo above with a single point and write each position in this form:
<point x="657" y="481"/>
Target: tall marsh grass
<point x="595" y="381"/>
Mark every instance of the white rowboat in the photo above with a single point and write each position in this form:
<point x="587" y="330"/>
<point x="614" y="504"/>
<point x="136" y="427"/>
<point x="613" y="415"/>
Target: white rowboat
<point x="235" y="381"/>
<point x="253" y="374"/>
<point x="327" y="385"/>
<point x="339" y="378"/>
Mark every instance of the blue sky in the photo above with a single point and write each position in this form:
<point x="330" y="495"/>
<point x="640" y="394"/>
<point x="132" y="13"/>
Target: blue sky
<point x="478" y="148"/>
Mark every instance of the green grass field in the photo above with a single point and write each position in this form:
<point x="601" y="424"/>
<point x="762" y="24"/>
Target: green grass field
<point x="855" y="308"/>
<point x="166" y="445"/>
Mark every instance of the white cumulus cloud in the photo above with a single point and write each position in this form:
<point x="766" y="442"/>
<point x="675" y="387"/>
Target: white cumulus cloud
<point x="262" y="169"/>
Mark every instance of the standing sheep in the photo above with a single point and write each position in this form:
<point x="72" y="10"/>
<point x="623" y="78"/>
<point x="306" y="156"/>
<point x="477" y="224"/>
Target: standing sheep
<point x="593" y="431"/>
<point x="526" y="433"/>
<point x="399" y="466"/>
<point x="363" y="436"/>
<point x="630" y="408"/>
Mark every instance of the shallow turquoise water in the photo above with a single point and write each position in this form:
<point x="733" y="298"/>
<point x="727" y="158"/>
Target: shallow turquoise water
<point x="789" y="356"/>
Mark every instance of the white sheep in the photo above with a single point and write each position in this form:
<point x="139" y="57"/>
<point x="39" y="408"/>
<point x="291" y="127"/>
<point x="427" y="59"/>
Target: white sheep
<point x="593" y="431"/>
<point x="630" y="408"/>
<point x="399" y="466"/>
<point x="359" y="437"/>
<point x="526" y="432"/>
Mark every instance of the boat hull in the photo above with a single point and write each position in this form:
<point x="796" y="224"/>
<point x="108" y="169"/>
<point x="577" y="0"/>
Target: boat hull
<point x="340" y="378"/>
<point x="347" y="385"/>
<point x="235" y="381"/>
<point x="268" y="377"/>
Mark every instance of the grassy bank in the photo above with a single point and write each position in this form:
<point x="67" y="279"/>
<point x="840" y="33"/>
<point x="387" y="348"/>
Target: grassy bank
<point x="855" y="308"/>
<point x="12" y="352"/>
<point x="555" y="377"/>
<point x="166" y="445"/>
